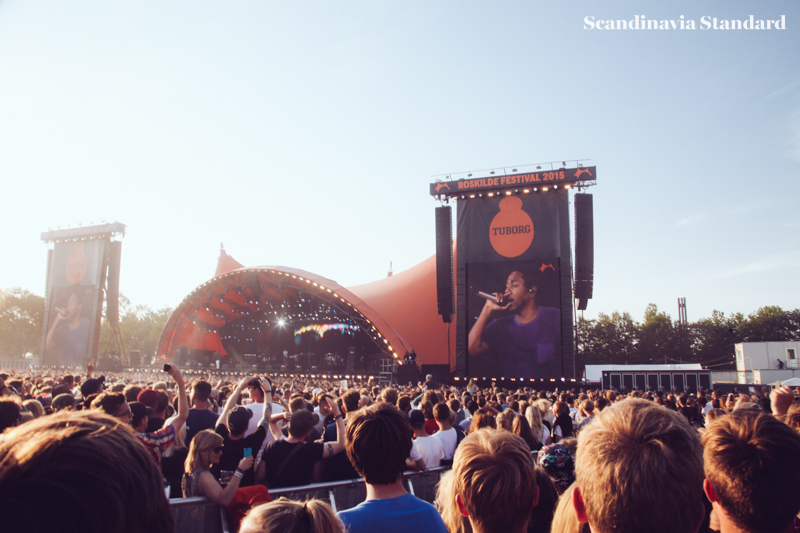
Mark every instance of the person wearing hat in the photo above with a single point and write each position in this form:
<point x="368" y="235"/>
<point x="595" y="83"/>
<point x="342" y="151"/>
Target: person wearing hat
<point x="92" y="386"/>
<point x="431" y="448"/>
<point x="291" y="461"/>
<point x="157" y="401"/>
<point x="232" y="425"/>
<point x="63" y="402"/>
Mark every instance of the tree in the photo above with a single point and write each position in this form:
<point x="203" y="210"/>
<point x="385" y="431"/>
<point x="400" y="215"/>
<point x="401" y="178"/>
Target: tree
<point x="139" y="325"/>
<point x="611" y="339"/>
<point x="714" y="338"/>
<point x="768" y="324"/>
<point x="21" y="316"/>
<point x="656" y="337"/>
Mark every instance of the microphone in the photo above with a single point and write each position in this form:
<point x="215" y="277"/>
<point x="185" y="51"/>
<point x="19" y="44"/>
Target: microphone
<point x="487" y="296"/>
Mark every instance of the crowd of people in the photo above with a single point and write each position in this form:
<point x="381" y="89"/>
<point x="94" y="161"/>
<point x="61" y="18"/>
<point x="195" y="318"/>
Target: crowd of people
<point x="86" y="453"/>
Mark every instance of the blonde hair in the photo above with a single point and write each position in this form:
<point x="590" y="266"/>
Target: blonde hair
<point x="495" y="478"/>
<point x="286" y="516"/>
<point x="534" y="416"/>
<point x="202" y="441"/>
<point x="445" y="503"/>
<point x="564" y="519"/>
<point x="620" y="454"/>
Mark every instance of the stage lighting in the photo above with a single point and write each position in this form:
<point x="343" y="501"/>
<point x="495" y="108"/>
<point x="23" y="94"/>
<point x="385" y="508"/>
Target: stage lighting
<point x="564" y="163"/>
<point x="513" y="170"/>
<point x="492" y="172"/>
<point x="538" y="167"/>
<point x="469" y="175"/>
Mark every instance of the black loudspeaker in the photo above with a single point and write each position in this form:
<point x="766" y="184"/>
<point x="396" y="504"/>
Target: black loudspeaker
<point x="584" y="249"/>
<point x="112" y="298"/>
<point x="444" y="262"/>
<point x="136" y="358"/>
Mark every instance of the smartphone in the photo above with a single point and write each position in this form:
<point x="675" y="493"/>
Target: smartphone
<point x="248" y="452"/>
<point x="167" y="368"/>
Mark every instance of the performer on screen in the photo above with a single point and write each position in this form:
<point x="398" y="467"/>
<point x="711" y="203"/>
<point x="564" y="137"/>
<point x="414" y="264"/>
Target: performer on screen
<point x="528" y="342"/>
<point x="69" y="334"/>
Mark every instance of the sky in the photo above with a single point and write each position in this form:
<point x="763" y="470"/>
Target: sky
<point x="306" y="133"/>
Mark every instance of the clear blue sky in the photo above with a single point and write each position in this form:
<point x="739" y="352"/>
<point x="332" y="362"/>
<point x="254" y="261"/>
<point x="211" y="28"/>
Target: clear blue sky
<point x="305" y="134"/>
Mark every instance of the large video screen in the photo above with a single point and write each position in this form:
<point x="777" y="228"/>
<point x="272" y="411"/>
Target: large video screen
<point x="72" y="306"/>
<point x="514" y="246"/>
<point x="519" y="335"/>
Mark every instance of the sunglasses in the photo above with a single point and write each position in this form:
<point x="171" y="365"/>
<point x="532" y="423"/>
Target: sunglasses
<point x="218" y="449"/>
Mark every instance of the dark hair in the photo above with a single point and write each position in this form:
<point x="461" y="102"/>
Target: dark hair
<point x="753" y="462"/>
<point x="441" y="412"/>
<point x="378" y="442"/>
<point x="404" y="403"/>
<point x="202" y="390"/>
<point x="9" y="413"/>
<point x="96" y="474"/>
<point x="109" y="402"/>
<point x="350" y="400"/>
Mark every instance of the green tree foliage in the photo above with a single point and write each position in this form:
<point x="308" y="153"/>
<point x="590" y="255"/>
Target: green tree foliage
<point x="657" y="337"/>
<point x="770" y="323"/>
<point x="611" y="339"/>
<point x="714" y="338"/>
<point x="139" y="325"/>
<point x="21" y="315"/>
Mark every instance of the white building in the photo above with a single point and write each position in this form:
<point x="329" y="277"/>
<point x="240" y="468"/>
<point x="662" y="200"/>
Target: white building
<point x="757" y="362"/>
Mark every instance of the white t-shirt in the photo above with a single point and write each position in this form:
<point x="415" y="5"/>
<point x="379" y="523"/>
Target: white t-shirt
<point x="431" y="449"/>
<point x="449" y="440"/>
<point x="415" y="455"/>
<point x="258" y="412"/>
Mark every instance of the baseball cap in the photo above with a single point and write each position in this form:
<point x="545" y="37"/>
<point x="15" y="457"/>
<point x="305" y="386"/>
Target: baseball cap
<point x="416" y="418"/>
<point x="92" y="385"/>
<point x="139" y="411"/>
<point x="239" y="419"/>
<point x="149" y="397"/>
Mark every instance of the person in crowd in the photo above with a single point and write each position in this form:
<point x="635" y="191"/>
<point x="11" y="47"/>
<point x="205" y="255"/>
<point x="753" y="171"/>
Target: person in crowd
<point x="495" y="482"/>
<point x="200" y="415"/>
<point x="82" y="472"/>
<point x="639" y="468"/>
<point x="431" y="448"/>
<point x="231" y="426"/>
<point x="157" y="401"/>
<point x="338" y="467"/>
<point x="114" y="404"/>
<point x="542" y="514"/>
<point x="445" y="503"/>
<point x="257" y="407"/>
<point x="752" y="465"/>
<point x="521" y="428"/>
<point x="10" y="413"/>
<point x="291" y="461"/>
<point x="378" y="442"/>
<point x="472" y="407"/>
<point x="562" y="427"/>
<point x="540" y="432"/>
<point x="173" y="460"/>
<point x="34" y="408"/>
<point x="64" y="402"/>
<point x="564" y="519"/>
<point x="559" y="463"/>
<point x="450" y="436"/>
<point x="587" y="415"/>
<point x="482" y="419"/>
<point x="204" y="452"/>
<point x="286" y="516"/>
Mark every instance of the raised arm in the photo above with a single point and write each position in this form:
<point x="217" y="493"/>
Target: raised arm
<point x="183" y="401"/>
<point x="223" y="417"/>
<point x="332" y="448"/>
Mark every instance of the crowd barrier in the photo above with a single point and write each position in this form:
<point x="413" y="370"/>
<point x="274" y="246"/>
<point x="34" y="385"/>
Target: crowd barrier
<point x="203" y="516"/>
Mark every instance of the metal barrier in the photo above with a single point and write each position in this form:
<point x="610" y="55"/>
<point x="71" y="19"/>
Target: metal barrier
<point x="201" y="515"/>
<point x="198" y="515"/>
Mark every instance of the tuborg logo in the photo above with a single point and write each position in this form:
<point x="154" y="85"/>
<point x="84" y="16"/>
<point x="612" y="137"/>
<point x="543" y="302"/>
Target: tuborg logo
<point x="511" y="230"/>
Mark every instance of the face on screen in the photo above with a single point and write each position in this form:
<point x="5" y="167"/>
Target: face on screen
<point x="517" y="292"/>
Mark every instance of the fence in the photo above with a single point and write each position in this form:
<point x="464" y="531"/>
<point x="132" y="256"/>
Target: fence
<point x="201" y="515"/>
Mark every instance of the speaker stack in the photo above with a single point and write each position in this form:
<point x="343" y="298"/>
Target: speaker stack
<point x="444" y="262"/>
<point x="584" y="249"/>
